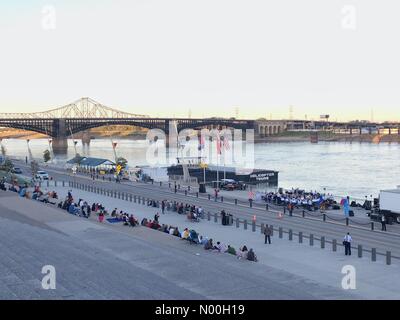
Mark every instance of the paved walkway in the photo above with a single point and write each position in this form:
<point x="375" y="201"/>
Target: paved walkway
<point x="102" y="261"/>
<point x="298" y="262"/>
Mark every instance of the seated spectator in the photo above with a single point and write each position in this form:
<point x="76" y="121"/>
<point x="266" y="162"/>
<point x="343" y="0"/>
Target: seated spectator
<point x="209" y="245"/>
<point x="132" y="221"/>
<point x="176" y="232"/>
<point x="220" y="247"/>
<point x="251" y="256"/>
<point x="202" y="240"/>
<point x="171" y="230"/>
<point x="193" y="236"/>
<point x="242" y="254"/>
<point x="144" y="222"/>
<point x="185" y="234"/>
<point x="231" y="250"/>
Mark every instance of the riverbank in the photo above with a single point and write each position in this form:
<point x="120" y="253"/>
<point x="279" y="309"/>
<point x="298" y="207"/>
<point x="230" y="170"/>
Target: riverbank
<point x="329" y="137"/>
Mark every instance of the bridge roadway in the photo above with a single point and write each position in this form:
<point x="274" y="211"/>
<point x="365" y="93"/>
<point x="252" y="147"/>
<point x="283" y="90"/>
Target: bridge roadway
<point x="382" y="241"/>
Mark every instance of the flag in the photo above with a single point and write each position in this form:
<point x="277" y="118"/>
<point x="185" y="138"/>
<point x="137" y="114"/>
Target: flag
<point x="219" y="146"/>
<point x="226" y="144"/>
<point x="201" y="142"/>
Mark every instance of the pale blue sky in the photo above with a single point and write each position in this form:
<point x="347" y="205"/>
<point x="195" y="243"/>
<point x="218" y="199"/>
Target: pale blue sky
<point x="163" y="58"/>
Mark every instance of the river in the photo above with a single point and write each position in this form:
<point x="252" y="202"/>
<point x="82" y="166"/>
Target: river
<point x="356" y="169"/>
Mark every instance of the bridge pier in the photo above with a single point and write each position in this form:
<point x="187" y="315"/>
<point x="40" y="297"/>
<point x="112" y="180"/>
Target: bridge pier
<point x="86" y="138"/>
<point x="60" y="146"/>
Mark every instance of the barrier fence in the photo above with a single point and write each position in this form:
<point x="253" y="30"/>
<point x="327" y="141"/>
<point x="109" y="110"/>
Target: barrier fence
<point x="237" y="222"/>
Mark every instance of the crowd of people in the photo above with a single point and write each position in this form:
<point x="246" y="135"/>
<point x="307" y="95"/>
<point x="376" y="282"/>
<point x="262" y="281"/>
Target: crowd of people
<point x="296" y="198"/>
<point x="192" y="212"/>
<point x="195" y="238"/>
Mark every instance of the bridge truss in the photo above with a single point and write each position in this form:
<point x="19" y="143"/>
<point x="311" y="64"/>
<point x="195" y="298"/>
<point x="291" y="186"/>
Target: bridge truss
<point x="84" y="108"/>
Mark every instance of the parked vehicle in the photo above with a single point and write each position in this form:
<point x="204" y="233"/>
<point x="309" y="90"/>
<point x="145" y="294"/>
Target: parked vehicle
<point x="42" y="175"/>
<point x="389" y="205"/>
<point x="16" y="170"/>
<point x="230" y="185"/>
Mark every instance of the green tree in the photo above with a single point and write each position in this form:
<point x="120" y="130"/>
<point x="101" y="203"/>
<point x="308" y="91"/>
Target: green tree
<point x="7" y="165"/>
<point x="46" y="156"/>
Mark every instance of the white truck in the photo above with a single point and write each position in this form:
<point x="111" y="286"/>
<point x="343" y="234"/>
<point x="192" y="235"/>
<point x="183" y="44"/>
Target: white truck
<point x="389" y="204"/>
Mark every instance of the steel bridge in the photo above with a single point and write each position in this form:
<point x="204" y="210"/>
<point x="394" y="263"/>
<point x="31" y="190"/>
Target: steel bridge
<point x="84" y="114"/>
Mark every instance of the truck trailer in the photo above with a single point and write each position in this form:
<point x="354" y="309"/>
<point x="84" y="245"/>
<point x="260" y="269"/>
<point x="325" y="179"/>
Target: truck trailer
<point x="389" y="204"/>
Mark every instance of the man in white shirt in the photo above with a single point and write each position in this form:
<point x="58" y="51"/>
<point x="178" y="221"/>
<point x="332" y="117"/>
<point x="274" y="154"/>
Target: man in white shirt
<point x="347" y="244"/>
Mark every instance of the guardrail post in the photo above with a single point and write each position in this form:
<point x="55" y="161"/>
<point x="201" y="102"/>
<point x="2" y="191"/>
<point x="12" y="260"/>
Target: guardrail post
<point x="266" y="207"/>
<point x="311" y="239"/>
<point x="290" y="235"/>
<point x="130" y="198"/>
<point x="284" y="210"/>
<point x="237" y="223"/>
<point x="303" y="213"/>
<point x="48" y="183"/>
<point x="245" y="224"/>
<point x="235" y="201"/>
<point x="197" y="194"/>
<point x="134" y="198"/>
<point x="280" y="233"/>
<point x="373" y="254"/>
<point x="160" y="184"/>
<point x="209" y="197"/>
<point x="55" y="183"/>
<point x="334" y="245"/>
<point x="300" y="237"/>
<point x="222" y="199"/>
<point x="185" y="192"/>
<point x="262" y="228"/>
<point x="372" y="226"/>
<point x="272" y="230"/>
<point x="388" y="258"/>
<point x="322" y="242"/>
<point x="119" y="195"/>
<point x="251" y="203"/>
<point x="347" y="221"/>
<point x="360" y="251"/>
<point x="324" y="217"/>
<point x="208" y="216"/>
<point x="253" y="226"/>
<point x="215" y="217"/>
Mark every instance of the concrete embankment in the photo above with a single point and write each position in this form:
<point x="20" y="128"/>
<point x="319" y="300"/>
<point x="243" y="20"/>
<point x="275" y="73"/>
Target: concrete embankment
<point x="114" y="261"/>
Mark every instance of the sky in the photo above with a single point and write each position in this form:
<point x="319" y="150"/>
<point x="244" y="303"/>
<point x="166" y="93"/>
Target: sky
<point x="253" y="58"/>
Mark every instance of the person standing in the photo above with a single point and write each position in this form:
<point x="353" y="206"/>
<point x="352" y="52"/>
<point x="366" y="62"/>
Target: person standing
<point x="346" y="207"/>
<point x="156" y="216"/>
<point x="163" y="206"/>
<point x="383" y="221"/>
<point x="347" y="244"/>
<point x="267" y="233"/>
